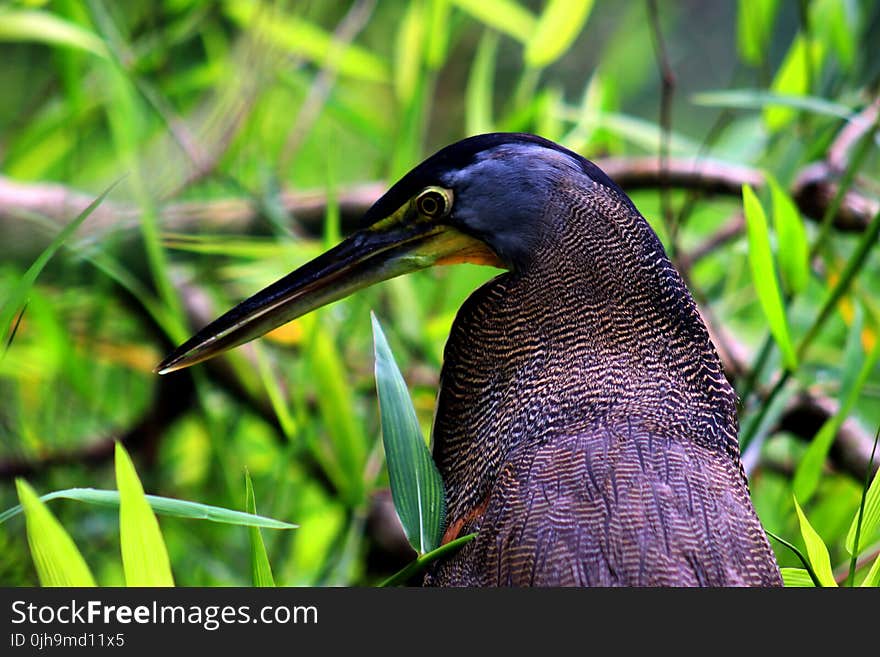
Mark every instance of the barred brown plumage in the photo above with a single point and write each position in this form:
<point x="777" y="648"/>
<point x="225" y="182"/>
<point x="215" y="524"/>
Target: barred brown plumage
<point x="584" y="427"/>
<point x="583" y="399"/>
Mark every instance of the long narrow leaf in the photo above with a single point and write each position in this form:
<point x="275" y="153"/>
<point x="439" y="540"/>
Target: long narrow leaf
<point x="424" y="560"/>
<point x="557" y="28"/>
<point x="793" y="249"/>
<point x="873" y="577"/>
<point x="760" y="99"/>
<point x="764" y="275"/>
<point x="870" y="518"/>
<point x="794" y="77"/>
<point x="45" y="27"/>
<point x="166" y="506"/>
<point x="416" y="485"/>
<point x="796" y="578"/>
<point x="506" y="16"/>
<point x="56" y="558"/>
<point x="478" y="96"/>
<point x="754" y="27"/>
<point x="260" y="567"/>
<point x="144" y="557"/>
<point x="17" y="297"/>
<point x="816" y="550"/>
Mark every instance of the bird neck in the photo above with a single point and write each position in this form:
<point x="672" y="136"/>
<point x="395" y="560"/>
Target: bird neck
<point x="598" y="328"/>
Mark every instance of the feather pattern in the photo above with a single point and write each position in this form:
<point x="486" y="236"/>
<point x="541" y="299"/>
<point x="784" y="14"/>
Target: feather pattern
<point x="584" y="426"/>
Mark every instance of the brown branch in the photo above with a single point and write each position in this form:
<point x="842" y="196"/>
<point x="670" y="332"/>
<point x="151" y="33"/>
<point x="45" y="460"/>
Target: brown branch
<point x="813" y="191"/>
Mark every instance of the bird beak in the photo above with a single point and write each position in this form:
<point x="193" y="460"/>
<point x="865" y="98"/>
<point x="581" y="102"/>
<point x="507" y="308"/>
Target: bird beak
<point x="403" y="242"/>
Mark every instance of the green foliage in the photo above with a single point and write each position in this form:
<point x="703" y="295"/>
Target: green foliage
<point x="416" y="485"/>
<point x="764" y="275"/>
<point x="56" y="558"/>
<point x="260" y="567"/>
<point x="163" y="506"/>
<point x="144" y="556"/>
<point x="243" y="133"/>
<point x="816" y="550"/>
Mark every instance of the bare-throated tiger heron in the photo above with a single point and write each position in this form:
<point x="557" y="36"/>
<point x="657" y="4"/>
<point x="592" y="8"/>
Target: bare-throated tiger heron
<point x="584" y="426"/>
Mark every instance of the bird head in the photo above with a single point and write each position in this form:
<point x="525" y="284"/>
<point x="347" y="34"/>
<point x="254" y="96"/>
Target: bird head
<point x="478" y="200"/>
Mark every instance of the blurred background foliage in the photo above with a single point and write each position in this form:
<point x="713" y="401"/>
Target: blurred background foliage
<point x="247" y="136"/>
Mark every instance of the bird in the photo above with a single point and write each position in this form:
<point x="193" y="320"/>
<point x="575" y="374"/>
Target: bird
<point x="584" y="428"/>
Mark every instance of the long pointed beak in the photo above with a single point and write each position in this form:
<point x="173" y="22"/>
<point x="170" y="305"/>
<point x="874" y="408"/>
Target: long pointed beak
<point x="393" y="246"/>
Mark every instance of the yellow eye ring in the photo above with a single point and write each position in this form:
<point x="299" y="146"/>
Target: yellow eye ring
<point x="433" y="203"/>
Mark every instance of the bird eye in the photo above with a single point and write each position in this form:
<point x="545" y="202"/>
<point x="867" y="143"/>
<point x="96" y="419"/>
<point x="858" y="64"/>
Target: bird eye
<point x="432" y="203"/>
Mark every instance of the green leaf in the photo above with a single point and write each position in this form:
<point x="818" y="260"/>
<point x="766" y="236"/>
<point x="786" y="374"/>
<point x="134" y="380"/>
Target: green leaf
<point x="478" y="96"/>
<point x="166" y="506"/>
<point x="764" y="276"/>
<point x="795" y="76"/>
<point x="792" y="249"/>
<point x="754" y="28"/>
<point x="438" y="36"/>
<point x="796" y="578"/>
<point x="56" y="558"/>
<point x="557" y="28"/>
<point x="260" y="567"/>
<point x="43" y="27"/>
<point x="336" y="402"/>
<point x="144" y="556"/>
<point x="760" y="99"/>
<point x="17" y="296"/>
<point x="832" y="25"/>
<point x="873" y="576"/>
<point x="816" y="550"/>
<point x="422" y="561"/>
<point x="409" y="52"/>
<point x="300" y="37"/>
<point x="505" y="16"/>
<point x="870" y="518"/>
<point x="416" y="485"/>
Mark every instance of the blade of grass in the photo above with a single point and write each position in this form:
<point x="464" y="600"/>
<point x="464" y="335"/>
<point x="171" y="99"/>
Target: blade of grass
<point x="336" y="402"/>
<point x="868" y="516"/>
<point x="144" y="557"/>
<point x="416" y="485"/>
<point x="760" y="99"/>
<point x="794" y="77"/>
<point x="260" y="567"/>
<point x="754" y="28"/>
<point x="792" y="249"/>
<point x="424" y="560"/>
<point x="808" y="567"/>
<point x="165" y="506"/>
<point x="558" y="26"/>
<point x="764" y="275"/>
<point x="872" y="579"/>
<point x="478" y="96"/>
<point x="56" y="558"/>
<point x="17" y="297"/>
<point x="45" y="27"/>
<point x="796" y="578"/>
<point x="305" y="39"/>
<point x="816" y="549"/>
<point x="506" y="16"/>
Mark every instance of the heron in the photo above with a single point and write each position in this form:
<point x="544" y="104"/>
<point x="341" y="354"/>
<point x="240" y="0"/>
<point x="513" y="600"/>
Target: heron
<point x="584" y="428"/>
